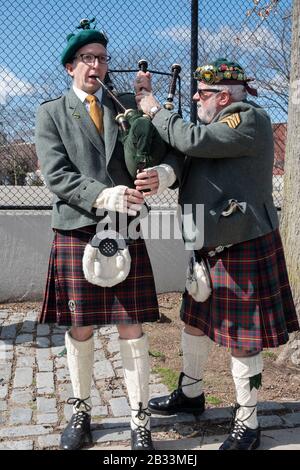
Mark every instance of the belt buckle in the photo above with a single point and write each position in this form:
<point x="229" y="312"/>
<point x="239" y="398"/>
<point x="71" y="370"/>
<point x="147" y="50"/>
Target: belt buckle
<point x="218" y="249"/>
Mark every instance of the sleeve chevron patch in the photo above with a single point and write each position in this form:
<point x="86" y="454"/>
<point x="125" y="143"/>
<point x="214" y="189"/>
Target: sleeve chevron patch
<point x="232" y="121"/>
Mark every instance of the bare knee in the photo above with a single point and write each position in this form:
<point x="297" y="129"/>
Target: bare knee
<point x="192" y="330"/>
<point x="81" y="333"/>
<point x="130" y="331"/>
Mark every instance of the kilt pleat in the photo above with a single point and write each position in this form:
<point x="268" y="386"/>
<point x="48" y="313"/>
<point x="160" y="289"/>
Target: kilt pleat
<point x="71" y="300"/>
<point x="251" y="306"/>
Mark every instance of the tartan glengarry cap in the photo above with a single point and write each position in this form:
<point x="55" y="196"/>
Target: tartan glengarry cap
<point x="76" y="41"/>
<point x="223" y="72"/>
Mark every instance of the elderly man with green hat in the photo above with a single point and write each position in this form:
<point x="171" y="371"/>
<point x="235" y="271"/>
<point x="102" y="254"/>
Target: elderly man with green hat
<point x="82" y="161"/>
<point x="238" y="293"/>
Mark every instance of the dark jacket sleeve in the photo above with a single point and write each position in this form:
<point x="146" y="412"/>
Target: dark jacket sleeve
<point x="215" y="140"/>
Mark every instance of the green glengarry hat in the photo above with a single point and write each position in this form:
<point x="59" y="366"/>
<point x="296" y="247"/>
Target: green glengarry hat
<point x="224" y="72"/>
<point x="76" y="41"/>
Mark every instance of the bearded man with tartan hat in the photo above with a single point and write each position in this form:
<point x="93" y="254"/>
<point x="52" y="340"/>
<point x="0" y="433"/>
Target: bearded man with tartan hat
<point x="82" y="160"/>
<point x="228" y="171"/>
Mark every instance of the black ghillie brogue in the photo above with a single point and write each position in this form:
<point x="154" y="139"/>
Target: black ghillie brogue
<point x="241" y="437"/>
<point x="141" y="436"/>
<point x="78" y="431"/>
<point x="177" y="402"/>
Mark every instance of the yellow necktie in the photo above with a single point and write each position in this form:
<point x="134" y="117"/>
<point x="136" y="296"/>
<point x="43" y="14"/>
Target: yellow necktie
<point x="96" y="112"/>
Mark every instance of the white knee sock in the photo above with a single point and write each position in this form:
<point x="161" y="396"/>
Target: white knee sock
<point x="80" y="356"/>
<point x="195" y="354"/>
<point x="246" y="372"/>
<point x="136" y="367"/>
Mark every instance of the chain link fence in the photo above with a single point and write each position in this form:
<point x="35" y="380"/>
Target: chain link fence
<point x="256" y="33"/>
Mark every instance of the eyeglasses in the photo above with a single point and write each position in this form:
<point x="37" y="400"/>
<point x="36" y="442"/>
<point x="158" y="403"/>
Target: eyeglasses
<point x="90" y="59"/>
<point x="202" y="91"/>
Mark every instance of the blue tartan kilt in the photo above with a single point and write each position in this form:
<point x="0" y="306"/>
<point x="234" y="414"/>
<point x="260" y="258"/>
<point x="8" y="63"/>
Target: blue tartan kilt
<point x="71" y="300"/>
<point x="251" y="306"/>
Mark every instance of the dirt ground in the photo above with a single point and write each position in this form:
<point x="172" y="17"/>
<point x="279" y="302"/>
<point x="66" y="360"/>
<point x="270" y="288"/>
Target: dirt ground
<point x="280" y="383"/>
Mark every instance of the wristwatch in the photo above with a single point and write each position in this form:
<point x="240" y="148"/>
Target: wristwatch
<point x="154" y="110"/>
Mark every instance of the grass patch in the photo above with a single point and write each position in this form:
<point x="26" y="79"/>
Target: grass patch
<point x="269" y="355"/>
<point x="157" y="354"/>
<point x="168" y="377"/>
<point x="213" y="400"/>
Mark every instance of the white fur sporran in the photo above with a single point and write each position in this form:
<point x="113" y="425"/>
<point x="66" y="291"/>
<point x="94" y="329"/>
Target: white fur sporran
<point x="102" y="270"/>
<point x="198" y="282"/>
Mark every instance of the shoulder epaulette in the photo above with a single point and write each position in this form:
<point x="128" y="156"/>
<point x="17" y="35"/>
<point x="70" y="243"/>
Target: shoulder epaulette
<point x="232" y="121"/>
<point x="49" y="101"/>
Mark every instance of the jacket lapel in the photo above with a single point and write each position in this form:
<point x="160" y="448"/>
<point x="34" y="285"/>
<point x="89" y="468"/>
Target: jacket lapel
<point x="110" y="126"/>
<point x="79" y="113"/>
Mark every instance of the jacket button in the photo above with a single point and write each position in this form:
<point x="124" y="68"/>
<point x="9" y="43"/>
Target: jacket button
<point x="164" y="127"/>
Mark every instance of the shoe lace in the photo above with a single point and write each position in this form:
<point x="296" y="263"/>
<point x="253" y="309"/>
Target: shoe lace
<point x="77" y="402"/>
<point x="237" y="426"/>
<point x="142" y="433"/>
<point x="143" y="436"/>
<point x="78" y="419"/>
<point x="142" y="413"/>
<point x="181" y="385"/>
<point x="174" y="394"/>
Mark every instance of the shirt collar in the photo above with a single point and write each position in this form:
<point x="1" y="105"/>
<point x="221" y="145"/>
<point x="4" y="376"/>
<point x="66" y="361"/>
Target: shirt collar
<point x="82" y="94"/>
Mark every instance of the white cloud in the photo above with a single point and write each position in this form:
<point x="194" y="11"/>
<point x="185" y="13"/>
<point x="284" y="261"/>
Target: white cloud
<point x="246" y="40"/>
<point x="177" y="34"/>
<point x="11" y="85"/>
<point x="277" y="83"/>
<point x="213" y="40"/>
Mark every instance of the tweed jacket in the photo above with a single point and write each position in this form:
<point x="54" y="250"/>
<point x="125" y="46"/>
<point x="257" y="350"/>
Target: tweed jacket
<point x="76" y="162"/>
<point x="229" y="159"/>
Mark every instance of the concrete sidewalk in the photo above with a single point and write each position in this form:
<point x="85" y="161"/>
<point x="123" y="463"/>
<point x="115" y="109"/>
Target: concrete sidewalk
<point x="271" y="439"/>
<point x="35" y="384"/>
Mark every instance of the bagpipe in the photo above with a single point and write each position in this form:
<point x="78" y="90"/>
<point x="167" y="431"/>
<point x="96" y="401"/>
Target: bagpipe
<point x="106" y="260"/>
<point x="143" y="146"/>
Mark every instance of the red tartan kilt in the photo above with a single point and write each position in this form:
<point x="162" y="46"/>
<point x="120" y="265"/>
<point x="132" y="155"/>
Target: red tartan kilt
<point x="251" y="306"/>
<point x="71" y="300"/>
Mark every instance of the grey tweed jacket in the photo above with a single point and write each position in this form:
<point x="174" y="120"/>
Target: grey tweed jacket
<point x="76" y="162"/>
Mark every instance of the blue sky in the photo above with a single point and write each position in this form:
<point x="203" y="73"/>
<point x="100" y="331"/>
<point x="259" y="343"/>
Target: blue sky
<point x="33" y="35"/>
<point x="39" y="27"/>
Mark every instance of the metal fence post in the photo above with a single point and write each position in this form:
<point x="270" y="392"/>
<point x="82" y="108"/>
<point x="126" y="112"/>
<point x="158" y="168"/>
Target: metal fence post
<point x="194" y="56"/>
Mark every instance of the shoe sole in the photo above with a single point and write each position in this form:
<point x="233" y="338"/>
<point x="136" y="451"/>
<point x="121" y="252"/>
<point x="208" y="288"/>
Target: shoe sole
<point x="194" y="411"/>
<point x="256" y="444"/>
<point x="149" y="449"/>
